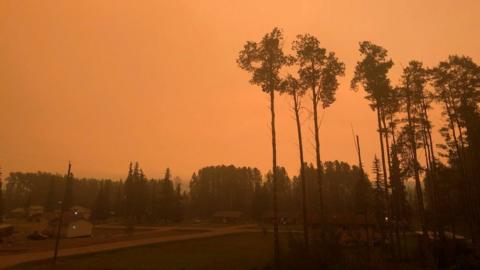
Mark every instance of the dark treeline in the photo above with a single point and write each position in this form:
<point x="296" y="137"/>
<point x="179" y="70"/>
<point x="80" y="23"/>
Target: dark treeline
<point x="46" y="189"/>
<point x="213" y="188"/>
<point x="136" y="197"/>
<point x="245" y="189"/>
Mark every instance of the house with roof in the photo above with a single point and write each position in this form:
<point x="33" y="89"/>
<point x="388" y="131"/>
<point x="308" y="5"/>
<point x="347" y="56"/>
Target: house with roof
<point x="73" y="224"/>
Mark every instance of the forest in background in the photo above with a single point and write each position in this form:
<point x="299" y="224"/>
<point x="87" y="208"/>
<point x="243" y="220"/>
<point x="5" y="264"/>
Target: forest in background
<point x="211" y="189"/>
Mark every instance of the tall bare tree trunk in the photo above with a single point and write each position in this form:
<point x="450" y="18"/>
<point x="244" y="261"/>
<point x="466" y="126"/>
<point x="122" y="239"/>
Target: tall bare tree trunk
<point x="418" y="186"/>
<point x="431" y="199"/>
<point x="401" y="210"/>
<point x="434" y="172"/>
<point x="385" y="175"/>
<point x="463" y="182"/>
<point x="276" y="248"/>
<point x="365" y="212"/>
<point x="302" y="169"/>
<point x="317" y="154"/>
<point x="394" y="201"/>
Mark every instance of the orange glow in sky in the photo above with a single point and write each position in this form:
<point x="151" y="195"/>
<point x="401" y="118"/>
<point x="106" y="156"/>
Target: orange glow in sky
<point x="101" y="83"/>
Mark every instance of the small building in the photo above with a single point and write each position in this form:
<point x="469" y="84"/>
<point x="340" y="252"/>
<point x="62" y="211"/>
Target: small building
<point x="73" y="225"/>
<point x="85" y="212"/>
<point x="228" y="216"/>
<point x="283" y="217"/>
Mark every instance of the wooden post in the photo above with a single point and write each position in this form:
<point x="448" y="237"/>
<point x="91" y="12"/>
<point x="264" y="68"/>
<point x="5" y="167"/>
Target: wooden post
<point x="360" y="165"/>
<point x="60" y="219"/>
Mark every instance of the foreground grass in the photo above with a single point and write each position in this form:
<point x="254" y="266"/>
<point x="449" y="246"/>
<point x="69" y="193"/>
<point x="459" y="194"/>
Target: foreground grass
<point x="237" y="251"/>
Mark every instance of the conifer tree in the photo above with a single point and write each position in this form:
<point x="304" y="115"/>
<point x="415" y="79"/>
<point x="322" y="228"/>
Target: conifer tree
<point x="378" y="200"/>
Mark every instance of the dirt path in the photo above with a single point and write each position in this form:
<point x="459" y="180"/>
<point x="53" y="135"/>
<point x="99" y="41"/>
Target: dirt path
<point x="11" y="260"/>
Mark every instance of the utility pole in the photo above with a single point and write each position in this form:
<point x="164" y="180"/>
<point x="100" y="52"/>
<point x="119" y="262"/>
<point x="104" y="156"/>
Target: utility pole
<point x="60" y="218"/>
<point x="1" y="198"/>
<point x="362" y="175"/>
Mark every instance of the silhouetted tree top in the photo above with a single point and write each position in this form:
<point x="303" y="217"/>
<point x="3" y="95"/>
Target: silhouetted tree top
<point x="371" y="72"/>
<point x="458" y="78"/>
<point x="264" y="60"/>
<point x="292" y="86"/>
<point x="413" y="81"/>
<point x="318" y="69"/>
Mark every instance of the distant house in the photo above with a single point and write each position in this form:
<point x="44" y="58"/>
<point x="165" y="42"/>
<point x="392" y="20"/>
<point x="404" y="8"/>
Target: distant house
<point x="73" y="225"/>
<point x="85" y="212"/>
<point x="228" y="216"/>
<point x="283" y="217"/>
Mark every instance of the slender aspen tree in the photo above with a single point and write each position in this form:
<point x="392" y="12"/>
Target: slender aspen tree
<point x="264" y="60"/>
<point x="318" y="71"/>
<point x="292" y="87"/>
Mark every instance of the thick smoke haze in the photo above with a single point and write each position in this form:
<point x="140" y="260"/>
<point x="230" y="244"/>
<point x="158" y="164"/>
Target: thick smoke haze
<point x="102" y="83"/>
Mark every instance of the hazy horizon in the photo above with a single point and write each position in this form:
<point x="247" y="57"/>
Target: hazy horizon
<point x="106" y="83"/>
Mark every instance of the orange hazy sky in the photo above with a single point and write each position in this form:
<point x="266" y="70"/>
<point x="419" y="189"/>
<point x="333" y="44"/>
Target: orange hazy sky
<point x="101" y="83"/>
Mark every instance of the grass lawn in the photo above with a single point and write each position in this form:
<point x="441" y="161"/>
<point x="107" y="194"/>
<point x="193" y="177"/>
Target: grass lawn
<point x="237" y="251"/>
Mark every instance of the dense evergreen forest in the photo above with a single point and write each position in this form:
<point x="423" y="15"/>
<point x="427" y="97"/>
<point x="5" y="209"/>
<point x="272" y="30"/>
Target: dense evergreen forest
<point x="211" y="189"/>
<point x="146" y="200"/>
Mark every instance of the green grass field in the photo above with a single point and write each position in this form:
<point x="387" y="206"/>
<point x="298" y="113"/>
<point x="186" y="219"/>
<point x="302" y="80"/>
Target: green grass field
<point x="238" y="251"/>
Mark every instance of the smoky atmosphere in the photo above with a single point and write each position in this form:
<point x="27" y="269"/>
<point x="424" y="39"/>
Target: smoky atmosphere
<point x="239" y="134"/>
